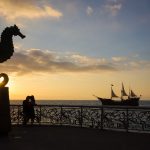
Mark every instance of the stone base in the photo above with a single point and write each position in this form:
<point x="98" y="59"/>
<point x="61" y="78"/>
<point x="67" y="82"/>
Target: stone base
<point x="5" y="120"/>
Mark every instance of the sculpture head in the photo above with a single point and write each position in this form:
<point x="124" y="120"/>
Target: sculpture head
<point x="6" y="43"/>
<point x="16" y="31"/>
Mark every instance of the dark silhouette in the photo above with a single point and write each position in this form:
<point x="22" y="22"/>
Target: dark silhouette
<point x="6" y="51"/>
<point x="5" y="81"/>
<point x="132" y="100"/>
<point x="28" y="109"/>
<point x="6" y="44"/>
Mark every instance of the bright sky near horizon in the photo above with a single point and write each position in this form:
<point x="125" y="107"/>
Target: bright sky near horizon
<point x="76" y="48"/>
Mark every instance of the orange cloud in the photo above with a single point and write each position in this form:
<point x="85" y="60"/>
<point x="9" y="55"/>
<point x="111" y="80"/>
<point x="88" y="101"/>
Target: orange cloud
<point x="16" y="9"/>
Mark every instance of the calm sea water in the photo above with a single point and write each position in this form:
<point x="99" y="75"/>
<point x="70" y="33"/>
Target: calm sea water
<point x="73" y="102"/>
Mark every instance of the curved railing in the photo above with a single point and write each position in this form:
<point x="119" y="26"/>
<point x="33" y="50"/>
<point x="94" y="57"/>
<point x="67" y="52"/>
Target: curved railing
<point x="110" y="117"/>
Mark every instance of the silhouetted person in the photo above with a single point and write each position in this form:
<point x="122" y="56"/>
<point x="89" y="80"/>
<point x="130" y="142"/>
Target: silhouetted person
<point x="28" y="109"/>
<point x="32" y="104"/>
<point x="25" y="110"/>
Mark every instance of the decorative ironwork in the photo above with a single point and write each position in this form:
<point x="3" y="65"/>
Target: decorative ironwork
<point x="91" y="117"/>
<point x="70" y="116"/>
<point x="114" y="118"/>
<point x="139" y="119"/>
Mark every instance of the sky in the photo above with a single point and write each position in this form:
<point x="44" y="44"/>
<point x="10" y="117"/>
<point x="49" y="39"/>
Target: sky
<point x="76" y="48"/>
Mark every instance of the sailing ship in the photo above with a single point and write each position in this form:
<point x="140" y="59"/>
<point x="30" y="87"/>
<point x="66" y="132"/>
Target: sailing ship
<point x="131" y="100"/>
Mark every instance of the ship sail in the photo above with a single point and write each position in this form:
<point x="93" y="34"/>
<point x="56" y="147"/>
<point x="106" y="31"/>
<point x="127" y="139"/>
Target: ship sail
<point x="112" y="93"/>
<point x="132" y="94"/>
<point x="123" y="92"/>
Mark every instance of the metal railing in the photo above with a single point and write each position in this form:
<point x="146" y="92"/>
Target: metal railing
<point x="102" y="117"/>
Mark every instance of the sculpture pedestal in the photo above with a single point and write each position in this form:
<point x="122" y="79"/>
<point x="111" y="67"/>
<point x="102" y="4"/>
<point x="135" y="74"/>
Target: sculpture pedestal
<point x="5" y="120"/>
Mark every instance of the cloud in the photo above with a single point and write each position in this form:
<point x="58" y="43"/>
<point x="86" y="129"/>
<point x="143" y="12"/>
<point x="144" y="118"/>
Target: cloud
<point x="89" y="11"/>
<point x="29" y="9"/>
<point x="139" y="64"/>
<point x="35" y="61"/>
<point x="130" y="63"/>
<point x="119" y="59"/>
<point x="38" y="61"/>
<point x="113" y="7"/>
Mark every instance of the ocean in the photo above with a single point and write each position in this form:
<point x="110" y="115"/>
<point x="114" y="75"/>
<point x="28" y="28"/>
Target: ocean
<point x="72" y="102"/>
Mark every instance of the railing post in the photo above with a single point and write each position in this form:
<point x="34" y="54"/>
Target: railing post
<point x="127" y="120"/>
<point x="81" y="116"/>
<point x="18" y="113"/>
<point x="102" y="117"/>
<point x="40" y="116"/>
<point x="61" y="111"/>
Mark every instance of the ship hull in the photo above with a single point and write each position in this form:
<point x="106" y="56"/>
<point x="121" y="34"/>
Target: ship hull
<point x="127" y="102"/>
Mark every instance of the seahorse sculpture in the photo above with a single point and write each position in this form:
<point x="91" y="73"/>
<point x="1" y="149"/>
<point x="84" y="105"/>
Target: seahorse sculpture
<point x="6" y="44"/>
<point x="7" y="48"/>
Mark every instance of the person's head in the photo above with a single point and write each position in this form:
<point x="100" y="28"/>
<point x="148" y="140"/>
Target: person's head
<point x="27" y="98"/>
<point x="32" y="97"/>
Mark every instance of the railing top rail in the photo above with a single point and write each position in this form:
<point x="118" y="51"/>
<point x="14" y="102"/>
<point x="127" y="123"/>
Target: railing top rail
<point x="71" y="106"/>
<point x="88" y="106"/>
